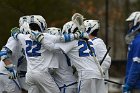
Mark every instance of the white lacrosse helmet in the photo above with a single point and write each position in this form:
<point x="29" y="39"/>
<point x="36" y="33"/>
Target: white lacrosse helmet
<point x="91" y="25"/>
<point x="39" y="20"/>
<point x="134" y="20"/>
<point x="69" y="27"/>
<point x="54" y="31"/>
<point x="135" y="17"/>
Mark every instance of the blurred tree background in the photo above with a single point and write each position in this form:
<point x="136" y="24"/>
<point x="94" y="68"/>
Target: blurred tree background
<point x="58" y="12"/>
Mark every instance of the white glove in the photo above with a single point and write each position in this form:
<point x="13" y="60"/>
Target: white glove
<point x="37" y="36"/>
<point x="76" y="35"/>
<point x="14" y="32"/>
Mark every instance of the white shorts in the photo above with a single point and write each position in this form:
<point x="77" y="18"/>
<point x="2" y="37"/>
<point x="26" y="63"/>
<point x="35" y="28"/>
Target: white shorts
<point x="8" y="85"/>
<point x="41" y="82"/>
<point x="91" y="86"/>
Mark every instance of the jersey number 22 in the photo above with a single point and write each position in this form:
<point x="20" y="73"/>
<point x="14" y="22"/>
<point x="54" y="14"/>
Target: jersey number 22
<point x="32" y="49"/>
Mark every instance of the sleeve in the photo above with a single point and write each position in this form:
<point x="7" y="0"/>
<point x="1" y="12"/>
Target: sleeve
<point x="9" y="48"/>
<point x="66" y="47"/>
<point x="100" y="52"/>
<point x="61" y="38"/>
<point x="49" y="42"/>
<point x="52" y="38"/>
<point x="11" y="44"/>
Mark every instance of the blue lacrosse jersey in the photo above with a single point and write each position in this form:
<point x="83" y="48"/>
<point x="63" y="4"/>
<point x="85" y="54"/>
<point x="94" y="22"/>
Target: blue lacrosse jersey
<point x="133" y="64"/>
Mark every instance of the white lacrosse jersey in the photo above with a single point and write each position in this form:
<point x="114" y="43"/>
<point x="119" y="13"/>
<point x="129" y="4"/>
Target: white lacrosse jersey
<point x="64" y="74"/>
<point x="37" y="56"/>
<point x="100" y="51"/>
<point x="81" y="58"/>
<point x="16" y="49"/>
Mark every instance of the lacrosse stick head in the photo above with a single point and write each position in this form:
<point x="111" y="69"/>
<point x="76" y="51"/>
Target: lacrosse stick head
<point x="78" y="20"/>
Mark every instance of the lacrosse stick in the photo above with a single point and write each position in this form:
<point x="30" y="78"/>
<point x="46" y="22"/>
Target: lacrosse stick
<point x="105" y="55"/>
<point x="78" y="20"/>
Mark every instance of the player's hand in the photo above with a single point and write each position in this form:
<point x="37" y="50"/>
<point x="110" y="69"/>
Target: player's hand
<point x="14" y="32"/>
<point x="37" y="36"/>
<point x="81" y="35"/>
<point x="84" y="35"/>
<point x="12" y="73"/>
<point x="126" y="88"/>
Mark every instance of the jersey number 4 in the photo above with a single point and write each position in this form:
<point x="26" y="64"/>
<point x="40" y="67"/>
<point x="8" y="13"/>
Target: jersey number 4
<point x="32" y="49"/>
<point x="84" y="51"/>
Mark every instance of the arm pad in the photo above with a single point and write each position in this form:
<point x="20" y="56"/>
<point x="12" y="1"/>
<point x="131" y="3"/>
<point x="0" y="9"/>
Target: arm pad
<point x="6" y="53"/>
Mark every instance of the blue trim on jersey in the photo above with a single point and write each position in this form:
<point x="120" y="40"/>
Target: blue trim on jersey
<point x="133" y="68"/>
<point x="64" y="88"/>
<point x="20" y="60"/>
<point x="3" y="53"/>
<point x="94" y="38"/>
<point x="79" y="86"/>
<point x="2" y="74"/>
<point x="68" y="60"/>
<point x="67" y="37"/>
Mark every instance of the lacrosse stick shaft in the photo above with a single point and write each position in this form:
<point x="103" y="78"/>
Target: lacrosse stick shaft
<point x="105" y="55"/>
<point x="95" y="59"/>
<point x="113" y="82"/>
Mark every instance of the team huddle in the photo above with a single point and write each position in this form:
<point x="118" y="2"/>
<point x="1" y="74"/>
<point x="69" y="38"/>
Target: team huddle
<point x="39" y="59"/>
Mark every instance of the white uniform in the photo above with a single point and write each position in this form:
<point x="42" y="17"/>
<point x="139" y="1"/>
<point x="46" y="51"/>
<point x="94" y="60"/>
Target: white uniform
<point x="100" y="50"/>
<point x="38" y="61"/>
<point x="18" y="60"/>
<point x="63" y="76"/>
<point x="88" y="71"/>
<point x="6" y="84"/>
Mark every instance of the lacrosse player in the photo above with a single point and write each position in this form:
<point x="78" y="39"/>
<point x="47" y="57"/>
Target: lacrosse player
<point x="18" y="55"/>
<point x="132" y="81"/>
<point x="38" y="58"/>
<point x="8" y="71"/>
<point x="63" y="75"/>
<point x="92" y="28"/>
<point x="88" y="68"/>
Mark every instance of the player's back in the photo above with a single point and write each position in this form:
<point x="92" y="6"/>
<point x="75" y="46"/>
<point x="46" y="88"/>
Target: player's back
<point x="81" y="58"/>
<point x="38" y="58"/>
